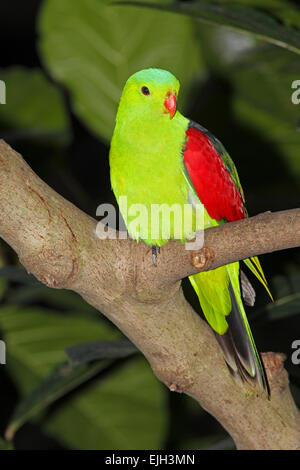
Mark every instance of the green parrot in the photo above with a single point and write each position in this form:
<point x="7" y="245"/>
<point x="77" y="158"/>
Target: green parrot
<point x="160" y="159"/>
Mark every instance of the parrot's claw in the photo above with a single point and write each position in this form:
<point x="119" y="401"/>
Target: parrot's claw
<point x="155" y="250"/>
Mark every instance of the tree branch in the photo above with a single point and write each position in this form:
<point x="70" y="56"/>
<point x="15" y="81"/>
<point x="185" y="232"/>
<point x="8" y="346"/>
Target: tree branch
<point x="56" y="242"/>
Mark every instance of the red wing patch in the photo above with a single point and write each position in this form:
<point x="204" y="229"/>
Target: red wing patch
<point x="211" y="179"/>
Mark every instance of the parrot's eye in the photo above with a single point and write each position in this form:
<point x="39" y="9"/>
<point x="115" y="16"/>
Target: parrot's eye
<point x="145" y="90"/>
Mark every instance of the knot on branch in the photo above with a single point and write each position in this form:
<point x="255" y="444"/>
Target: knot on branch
<point x="56" y="268"/>
<point x="177" y="378"/>
<point x="274" y="365"/>
<point x="181" y="383"/>
<point x="202" y="259"/>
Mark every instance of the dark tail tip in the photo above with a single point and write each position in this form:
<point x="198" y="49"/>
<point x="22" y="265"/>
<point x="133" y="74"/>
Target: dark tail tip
<point x="239" y="350"/>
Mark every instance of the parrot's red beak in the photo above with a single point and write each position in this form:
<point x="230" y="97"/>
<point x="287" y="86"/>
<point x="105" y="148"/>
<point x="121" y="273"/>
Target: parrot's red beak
<point x="170" y="104"/>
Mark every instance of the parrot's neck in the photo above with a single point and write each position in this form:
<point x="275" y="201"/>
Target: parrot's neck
<point x="150" y="141"/>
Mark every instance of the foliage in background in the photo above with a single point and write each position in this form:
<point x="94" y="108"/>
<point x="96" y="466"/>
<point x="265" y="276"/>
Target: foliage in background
<point x="25" y="113"/>
<point x="93" y="47"/>
<point x="101" y="394"/>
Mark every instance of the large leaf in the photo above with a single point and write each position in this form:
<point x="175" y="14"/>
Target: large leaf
<point x="287" y="299"/>
<point x="126" y="410"/>
<point x="34" y="107"/>
<point x="36" y="339"/>
<point x="264" y="21"/>
<point x="288" y="295"/>
<point x="62" y="380"/>
<point x="92" y="47"/>
<point x="33" y="290"/>
<point x="267" y="106"/>
<point x="284" y="307"/>
<point x="95" y="350"/>
<point x="69" y="375"/>
<point x="58" y="299"/>
<point x="109" y="413"/>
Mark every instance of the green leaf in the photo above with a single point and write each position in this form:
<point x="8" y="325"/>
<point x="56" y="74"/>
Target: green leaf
<point x="266" y="105"/>
<point x="93" y="47"/>
<point x="285" y="11"/>
<point x="281" y="286"/>
<point x="62" y="380"/>
<point x="95" y="350"/>
<point x="126" y="410"/>
<point x="284" y="307"/>
<point x="36" y="339"/>
<point x="69" y="375"/>
<point x="260" y="22"/>
<point x="102" y="414"/>
<point x="34" y="107"/>
<point x="59" y="299"/>
<point x="34" y="291"/>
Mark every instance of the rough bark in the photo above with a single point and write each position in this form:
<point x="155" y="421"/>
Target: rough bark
<point x="56" y="242"/>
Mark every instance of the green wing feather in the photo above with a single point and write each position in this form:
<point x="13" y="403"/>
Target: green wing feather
<point x="254" y="265"/>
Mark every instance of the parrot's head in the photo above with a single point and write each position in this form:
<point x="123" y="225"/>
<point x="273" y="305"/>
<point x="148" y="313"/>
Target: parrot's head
<point x="151" y="93"/>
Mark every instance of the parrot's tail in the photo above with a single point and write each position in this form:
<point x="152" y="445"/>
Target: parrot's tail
<point x="239" y="350"/>
<point x="220" y="299"/>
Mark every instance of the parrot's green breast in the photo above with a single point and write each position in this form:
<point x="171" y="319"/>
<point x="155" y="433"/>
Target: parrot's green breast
<point x="144" y="155"/>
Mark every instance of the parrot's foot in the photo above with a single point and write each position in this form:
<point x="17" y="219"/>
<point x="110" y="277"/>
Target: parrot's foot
<point x="155" y="251"/>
